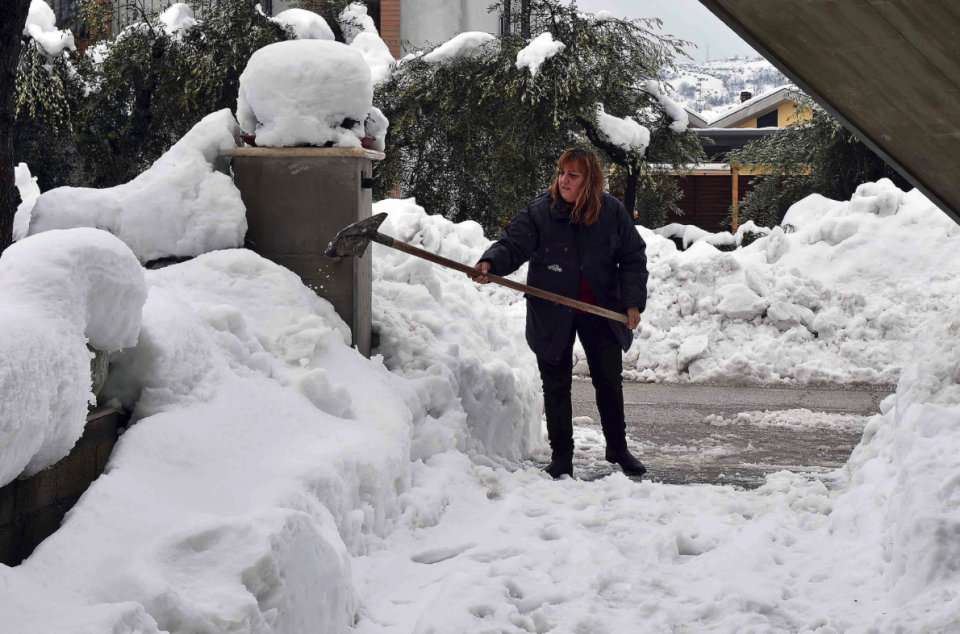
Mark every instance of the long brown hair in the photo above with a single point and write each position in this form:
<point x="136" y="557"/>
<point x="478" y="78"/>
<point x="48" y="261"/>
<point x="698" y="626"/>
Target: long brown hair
<point x="586" y="209"/>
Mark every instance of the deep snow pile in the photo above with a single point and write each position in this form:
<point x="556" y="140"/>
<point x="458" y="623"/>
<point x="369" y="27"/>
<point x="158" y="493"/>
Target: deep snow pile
<point x="58" y="291"/>
<point x="265" y="452"/>
<point x="840" y="298"/>
<point x="436" y="323"/>
<point x="306" y="92"/>
<point x="181" y="206"/>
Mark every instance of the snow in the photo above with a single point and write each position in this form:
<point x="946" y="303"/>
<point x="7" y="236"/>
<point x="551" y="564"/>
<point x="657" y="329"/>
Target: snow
<point x="307" y="25"/>
<point x="461" y="46"/>
<point x="265" y="454"/>
<point x="467" y="338"/>
<point x="377" y="55"/>
<point x="795" y="419"/>
<point x="181" y="206"/>
<point x="29" y="192"/>
<point x="625" y="133"/>
<point x="58" y="292"/>
<point x="301" y="92"/>
<point x="41" y="25"/>
<point x="354" y="20"/>
<point x="674" y="110"/>
<point x="177" y="20"/>
<point x="603" y="15"/>
<point x="538" y="51"/>
<point x="274" y="480"/>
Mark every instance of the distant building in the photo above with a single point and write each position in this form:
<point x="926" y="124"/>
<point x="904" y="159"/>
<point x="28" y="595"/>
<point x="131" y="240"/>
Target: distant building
<point x="712" y="190"/>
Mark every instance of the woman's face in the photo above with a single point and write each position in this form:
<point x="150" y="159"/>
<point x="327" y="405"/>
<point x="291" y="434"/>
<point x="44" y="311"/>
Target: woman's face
<point x="570" y="180"/>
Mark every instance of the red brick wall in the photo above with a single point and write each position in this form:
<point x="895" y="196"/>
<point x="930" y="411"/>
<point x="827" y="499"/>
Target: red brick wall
<point x="390" y="25"/>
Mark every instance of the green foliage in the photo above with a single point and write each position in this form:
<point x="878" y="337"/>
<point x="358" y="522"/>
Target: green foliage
<point x="818" y="156"/>
<point x="150" y="89"/>
<point x="46" y="103"/>
<point x="476" y="138"/>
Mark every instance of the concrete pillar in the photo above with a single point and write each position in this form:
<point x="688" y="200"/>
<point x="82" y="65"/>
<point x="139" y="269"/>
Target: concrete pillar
<point x="297" y="200"/>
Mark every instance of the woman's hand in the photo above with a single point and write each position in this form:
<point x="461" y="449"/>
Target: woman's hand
<point x="633" y="314"/>
<point x="482" y="268"/>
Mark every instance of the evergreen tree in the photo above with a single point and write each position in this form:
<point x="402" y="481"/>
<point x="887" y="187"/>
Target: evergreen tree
<point x="476" y="137"/>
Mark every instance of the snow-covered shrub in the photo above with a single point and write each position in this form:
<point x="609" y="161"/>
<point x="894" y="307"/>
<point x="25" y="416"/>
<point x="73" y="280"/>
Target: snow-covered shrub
<point x="181" y="206"/>
<point x="57" y="292"/>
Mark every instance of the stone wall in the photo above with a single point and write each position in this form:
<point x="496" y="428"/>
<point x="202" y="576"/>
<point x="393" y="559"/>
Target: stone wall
<point x="32" y="509"/>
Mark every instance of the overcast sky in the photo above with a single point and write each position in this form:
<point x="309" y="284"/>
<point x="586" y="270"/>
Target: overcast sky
<point x="686" y="19"/>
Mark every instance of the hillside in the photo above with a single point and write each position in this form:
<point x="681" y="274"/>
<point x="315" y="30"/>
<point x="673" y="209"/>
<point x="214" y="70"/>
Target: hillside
<point x="713" y="87"/>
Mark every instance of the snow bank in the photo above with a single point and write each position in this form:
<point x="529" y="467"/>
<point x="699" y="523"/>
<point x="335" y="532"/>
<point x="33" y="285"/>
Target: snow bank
<point x="354" y="21"/>
<point x="307" y="25"/>
<point x="538" y="51"/>
<point x="460" y="46"/>
<point x="41" y="25"/>
<point x="436" y="323"/>
<point x="674" y="110"/>
<point x="181" y="206"/>
<point x="177" y="20"/>
<point x="266" y="453"/>
<point x="29" y="192"/>
<point x="626" y="133"/>
<point x="58" y="291"/>
<point x="838" y="296"/>
<point x="305" y="92"/>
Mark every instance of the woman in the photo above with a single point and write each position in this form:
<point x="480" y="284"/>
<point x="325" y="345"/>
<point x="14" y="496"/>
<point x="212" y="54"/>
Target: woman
<point x="581" y="243"/>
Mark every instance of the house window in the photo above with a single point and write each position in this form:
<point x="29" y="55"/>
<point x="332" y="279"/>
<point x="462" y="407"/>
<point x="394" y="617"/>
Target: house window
<point x="769" y="120"/>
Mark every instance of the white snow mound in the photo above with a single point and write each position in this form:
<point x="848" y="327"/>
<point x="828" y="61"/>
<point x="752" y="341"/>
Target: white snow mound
<point x="354" y="21"/>
<point x="58" y="291"/>
<point x="307" y="25"/>
<point x="626" y="133"/>
<point x="41" y="25"/>
<point x="538" y="51"/>
<point x="29" y="192"/>
<point x="302" y="92"/>
<point x="181" y="206"/>
<point x="178" y="19"/>
<point x="377" y="55"/>
<point x="461" y="46"/>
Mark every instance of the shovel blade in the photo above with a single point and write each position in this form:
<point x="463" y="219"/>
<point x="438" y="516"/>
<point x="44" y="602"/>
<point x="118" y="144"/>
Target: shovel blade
<point x="353" y="239"/>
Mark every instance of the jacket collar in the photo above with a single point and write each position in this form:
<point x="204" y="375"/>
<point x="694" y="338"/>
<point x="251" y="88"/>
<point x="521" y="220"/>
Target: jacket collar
<point x="561" y="212"/>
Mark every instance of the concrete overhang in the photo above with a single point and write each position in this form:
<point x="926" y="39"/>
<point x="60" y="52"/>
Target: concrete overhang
<point x="889" y="70"/>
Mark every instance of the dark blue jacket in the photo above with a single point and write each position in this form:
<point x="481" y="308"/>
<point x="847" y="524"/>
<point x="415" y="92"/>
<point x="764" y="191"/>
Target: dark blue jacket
<point x="609" y="254"/>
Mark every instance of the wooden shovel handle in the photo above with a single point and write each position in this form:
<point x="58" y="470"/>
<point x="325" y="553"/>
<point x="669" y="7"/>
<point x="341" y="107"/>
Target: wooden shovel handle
<point x="502" y="281"/>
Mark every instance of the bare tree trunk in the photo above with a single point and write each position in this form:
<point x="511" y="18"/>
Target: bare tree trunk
<point x="13" y="17"/>
<point x="525" y="18"/>
<point x="630" y="192"/>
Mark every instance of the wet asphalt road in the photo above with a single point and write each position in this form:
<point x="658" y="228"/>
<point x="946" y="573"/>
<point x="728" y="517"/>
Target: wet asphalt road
<point x="667" y="422"/>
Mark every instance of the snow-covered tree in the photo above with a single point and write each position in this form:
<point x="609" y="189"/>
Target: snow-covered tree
<point x="11" y="33"/>
<point x="478" y="122"/>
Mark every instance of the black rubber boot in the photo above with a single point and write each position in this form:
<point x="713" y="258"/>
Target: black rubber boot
<point x="560" y="466"/>
<point x="627" y="461"/>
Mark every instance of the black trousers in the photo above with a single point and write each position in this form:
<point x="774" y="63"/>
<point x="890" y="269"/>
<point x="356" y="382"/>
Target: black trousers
<point x="604" y="358"/>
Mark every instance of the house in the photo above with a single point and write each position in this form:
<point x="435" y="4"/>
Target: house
<point x="712" y="189"/>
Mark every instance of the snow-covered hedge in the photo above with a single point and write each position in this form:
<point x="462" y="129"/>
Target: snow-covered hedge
<point x="181" y="206"/>
<point x="58" y="291"/>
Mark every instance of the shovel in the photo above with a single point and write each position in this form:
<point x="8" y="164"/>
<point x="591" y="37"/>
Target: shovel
<point x="353" y="240"/>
